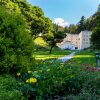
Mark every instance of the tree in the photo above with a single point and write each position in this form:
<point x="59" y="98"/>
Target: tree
<point x="40" y="25"/>
<point x="95" y="38"/>
<point x="90" y="23"/>
<point x="81" y="25"/>
<point x="54" y="36"/>
<point x="98" y="8"/>
<point x="16" y="44"/>
<point x="34" y="15"/>
<point x="66" y="29"/>
<point x="72" y="29"/>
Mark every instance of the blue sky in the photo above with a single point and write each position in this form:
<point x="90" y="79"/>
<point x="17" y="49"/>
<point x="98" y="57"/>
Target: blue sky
<point x="68" y="10"/>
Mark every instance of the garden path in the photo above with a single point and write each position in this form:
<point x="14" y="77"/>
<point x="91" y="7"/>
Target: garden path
<point x="66" y="58"/>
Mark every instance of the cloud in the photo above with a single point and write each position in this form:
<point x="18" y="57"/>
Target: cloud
<point x="60" y="22"/>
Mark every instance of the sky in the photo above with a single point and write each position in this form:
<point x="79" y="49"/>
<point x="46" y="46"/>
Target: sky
<point x="65" y="12"/>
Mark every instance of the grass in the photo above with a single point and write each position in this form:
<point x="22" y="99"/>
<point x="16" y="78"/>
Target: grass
<point x="44" y="55"/>
<point x="83" y="59"/>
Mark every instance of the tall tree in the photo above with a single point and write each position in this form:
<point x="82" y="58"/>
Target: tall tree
<point x="81" y="24"/>
<point x="72" y="28"/>
<point x="90" y="23"/>
<point x="66" y="29"/>
<point x="95" y="38"/>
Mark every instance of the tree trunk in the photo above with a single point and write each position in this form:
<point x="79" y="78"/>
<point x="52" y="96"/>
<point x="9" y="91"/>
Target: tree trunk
<point x="51" y="49"/>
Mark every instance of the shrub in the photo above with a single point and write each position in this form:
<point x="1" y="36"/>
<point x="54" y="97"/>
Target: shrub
<point x="16" y="44"/>
<point x="51" y="77"/>
<point x="8" y="88"/>
<point x="56" y="80"/>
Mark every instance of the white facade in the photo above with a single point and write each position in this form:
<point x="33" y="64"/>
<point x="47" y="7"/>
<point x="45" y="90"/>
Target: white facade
<point x="76" y="41"/>
<point x="84" y="39"/>
<point x="66" y="45"/>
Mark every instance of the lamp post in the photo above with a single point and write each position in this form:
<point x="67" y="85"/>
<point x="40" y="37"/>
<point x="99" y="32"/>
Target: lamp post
<point x="97" y="57"/>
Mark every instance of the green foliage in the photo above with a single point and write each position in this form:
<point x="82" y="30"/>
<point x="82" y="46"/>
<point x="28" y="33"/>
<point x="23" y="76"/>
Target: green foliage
<point x="95" y="38"/>
<point x="11" y="5"/>
<point x="90" y="23"/>
<point x="88" y="86"/>
<point x="50" y="79"/>
<point x="98" y="8"/>
<point x="8" y="88"/>
<point x="55" y="36"/>
<point x="40" y="44"/>
<point x="85" y="24"/>
<point x="98" y="19"/>
<point x="40" y="24"/>
<point x="96" y="32"/>
<point x="56" y="80"/>
<point x="27" y="84"/>
<point x="15" y="42"/>
<point x="81" y="25"/>
<point x="34" y="15"/>
<point x="72" y="29"/>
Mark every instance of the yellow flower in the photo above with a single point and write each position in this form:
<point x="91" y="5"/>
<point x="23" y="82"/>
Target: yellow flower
<point x="29" y="71"/>
<point x="18" y="74"/>
<point x="28" y="81"/>
<point x="48" y="70"/>
<point x="33" y="80"/>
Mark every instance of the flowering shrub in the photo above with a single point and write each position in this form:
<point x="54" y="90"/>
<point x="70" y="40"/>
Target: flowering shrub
<point x="46" y="80"/>
<point x="49" y="80"/>
<point x="27" y="84"/>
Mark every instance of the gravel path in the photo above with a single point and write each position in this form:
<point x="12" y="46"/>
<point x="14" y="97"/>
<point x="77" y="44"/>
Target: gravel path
<point x="66" y="58"/>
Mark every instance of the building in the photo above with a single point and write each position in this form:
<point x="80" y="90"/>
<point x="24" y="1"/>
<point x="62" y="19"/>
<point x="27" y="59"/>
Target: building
<point x="76" y="41"/>
<point x="84" y="39"/>
<point x="66" y="45"/>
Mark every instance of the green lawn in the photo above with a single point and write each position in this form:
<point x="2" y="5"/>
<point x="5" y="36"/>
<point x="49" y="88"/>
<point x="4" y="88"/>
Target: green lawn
<point x="83" y="59"/>
<point x="44" y="55"/>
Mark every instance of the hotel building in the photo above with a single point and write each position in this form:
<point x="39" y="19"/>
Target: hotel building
<point x="76" y="41"/>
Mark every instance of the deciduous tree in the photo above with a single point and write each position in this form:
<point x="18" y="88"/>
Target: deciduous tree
<point x="53" y="37"/>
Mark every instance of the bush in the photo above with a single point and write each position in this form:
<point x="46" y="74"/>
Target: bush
<point x="56" y="80"/>
<point x="87" y="85"/>
<point x="8" y="88"/>
<point x="16" y="44"/>
<point x="51" y="77"/>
